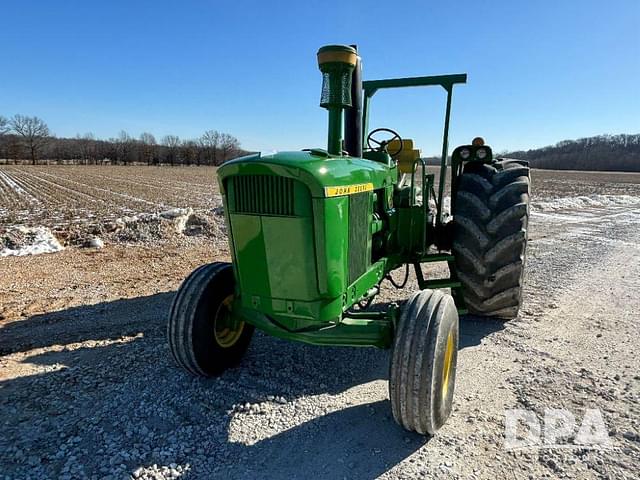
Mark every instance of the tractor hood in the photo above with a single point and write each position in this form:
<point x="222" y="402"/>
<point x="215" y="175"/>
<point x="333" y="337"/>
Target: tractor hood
<point x="323" y="174"/>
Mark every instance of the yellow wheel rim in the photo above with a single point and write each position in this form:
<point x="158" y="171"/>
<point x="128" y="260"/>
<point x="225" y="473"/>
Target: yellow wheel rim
<point x="227" y="329"/>
<point x="448" y="361"/>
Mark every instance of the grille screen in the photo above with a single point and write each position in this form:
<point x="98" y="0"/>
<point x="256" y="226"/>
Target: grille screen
<point x="358" y="234"/>
<point x="262" y="195"/>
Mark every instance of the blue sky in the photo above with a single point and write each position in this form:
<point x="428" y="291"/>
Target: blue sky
<point x="539" y="71"/>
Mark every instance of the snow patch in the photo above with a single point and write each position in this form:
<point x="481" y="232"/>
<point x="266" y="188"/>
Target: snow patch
<point x="154" y="226"/>
<point x="176" y="212"/>
<point x="20" y="241"/>
<point x="550" y="205"/>
<point x="180" y="217"/>
<point x="94" y="242"/>
<point x="446" y="204"/>
<point x="13" y="185"/>
<point x="581" y="202"/>
<point x="17" y="188"/>
<point x="567" y="208"/>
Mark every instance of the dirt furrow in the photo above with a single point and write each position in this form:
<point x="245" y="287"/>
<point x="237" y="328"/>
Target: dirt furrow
<point x="70" y="197"/>
<point x="160" y="184"/>
<point x="110" y="192"/>
<point x="36" y="189"/>
<point x="6" y="193"/>
<point x="18" y="191"/>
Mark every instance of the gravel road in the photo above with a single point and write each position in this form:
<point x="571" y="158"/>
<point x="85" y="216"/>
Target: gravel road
<point x="89" y="390"/>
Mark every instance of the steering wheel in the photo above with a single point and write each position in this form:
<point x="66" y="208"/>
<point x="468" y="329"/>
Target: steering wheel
<point x="382" y="144"/>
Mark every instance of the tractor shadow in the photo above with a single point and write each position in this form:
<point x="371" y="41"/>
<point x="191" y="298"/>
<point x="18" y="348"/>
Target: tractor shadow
<point x="130" y="316"/>
<point x="106" y="368"/>
<point x="473" y="329"/>
<point x="102" y="321"/>
<point x="361" y="441"/>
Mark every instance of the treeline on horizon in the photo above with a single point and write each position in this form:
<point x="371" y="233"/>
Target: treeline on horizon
<point x="602" y="152"/>
<point x="25" y="139"/>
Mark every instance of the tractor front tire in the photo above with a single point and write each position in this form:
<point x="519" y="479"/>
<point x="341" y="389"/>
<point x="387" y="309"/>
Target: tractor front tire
<point x="205" y="339"/>
<point x="423" y="363"/>
<point x="490" y="221"/>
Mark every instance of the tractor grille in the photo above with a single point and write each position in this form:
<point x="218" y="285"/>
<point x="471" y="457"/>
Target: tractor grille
<point x="262" y="195"/>
<point x="358" y="234"/>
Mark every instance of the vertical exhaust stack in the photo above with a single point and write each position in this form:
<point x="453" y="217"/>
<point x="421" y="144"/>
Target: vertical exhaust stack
<point x="353" y="115"/>
<point x="336" y="62"/>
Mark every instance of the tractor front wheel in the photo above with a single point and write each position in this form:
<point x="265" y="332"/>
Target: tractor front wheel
<point x="423" y="362"/>
<point x="204" y="337"/>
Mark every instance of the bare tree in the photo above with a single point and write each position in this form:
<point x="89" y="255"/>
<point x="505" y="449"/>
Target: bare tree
<point x="34" y="132"/>
<point x="22" y="137"/>
<point x="190" y="152"/>
<point x="85" y="147"/>
<point x="148" y="142"/>
<point x="210" y="142"/>
<point x="4" y="129"/>
<point x="4" y="125"/>
<point x="90" y="145"/>
<point x="172" y="142"/>
<point x="124" y="144"/>
<point x="228" y="148"/>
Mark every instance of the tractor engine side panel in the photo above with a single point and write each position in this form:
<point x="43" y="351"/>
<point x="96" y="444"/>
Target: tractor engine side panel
<point x="289" y="249"/>
<point x="272" y="234"/>
<point x="331" y="222"/>
<point x="275" y="256"/>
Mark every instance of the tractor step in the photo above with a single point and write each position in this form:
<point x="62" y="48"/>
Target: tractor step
<point x="437" y="257"/>
<point x="442" y="283"/>
<point x="453" y="283"/>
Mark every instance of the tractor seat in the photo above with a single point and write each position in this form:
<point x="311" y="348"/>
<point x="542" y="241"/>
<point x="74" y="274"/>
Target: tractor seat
<point x="407" y="157"/>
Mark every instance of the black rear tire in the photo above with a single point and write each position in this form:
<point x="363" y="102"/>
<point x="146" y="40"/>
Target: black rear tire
<point x="198" y="305"/>
<point x="490" y="221"/>
<point x="423" y="362"/>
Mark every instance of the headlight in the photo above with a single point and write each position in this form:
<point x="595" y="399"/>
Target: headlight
<point x="465" y="153"/>
<point x="481" y="153"/>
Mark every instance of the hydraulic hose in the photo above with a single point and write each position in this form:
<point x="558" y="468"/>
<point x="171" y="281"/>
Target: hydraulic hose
<point x="404" y="282"/>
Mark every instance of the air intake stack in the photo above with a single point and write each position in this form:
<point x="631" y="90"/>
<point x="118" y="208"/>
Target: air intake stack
<point x="336" y="62"/>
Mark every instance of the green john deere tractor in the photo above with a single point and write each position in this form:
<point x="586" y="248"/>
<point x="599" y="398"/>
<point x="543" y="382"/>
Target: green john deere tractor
<point x="314" y="233"/>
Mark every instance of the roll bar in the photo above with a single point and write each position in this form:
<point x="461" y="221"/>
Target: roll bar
<point x="370" y="87"/>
